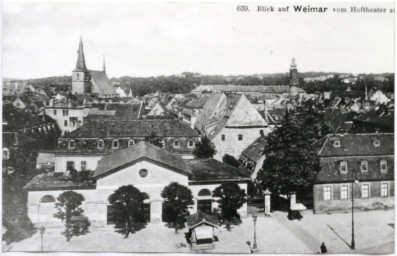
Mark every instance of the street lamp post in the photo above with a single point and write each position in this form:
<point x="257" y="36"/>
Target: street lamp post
<point x="254" y="246"/>
<point x="353" y="244"/>
<point x="42" y="230"/>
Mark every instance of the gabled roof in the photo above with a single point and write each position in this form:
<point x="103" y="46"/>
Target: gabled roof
<point x="15" y="119"/>
<point x="254" y="151"/>
<point x="101" y="112"/>
<point x="355" y="145"/>
<point x="139" y="151"/>
<point x="197" y="102"/>
<point x="101" y="80"/>
<point x="213" y="170"/>
<point x="381" y="115"/>
<point x="232" y="110"/>
<point x="199" y="218"/>
<point x="122" y="111"/>
<point x="273" y="116"/>
<point x="57" y="182"/>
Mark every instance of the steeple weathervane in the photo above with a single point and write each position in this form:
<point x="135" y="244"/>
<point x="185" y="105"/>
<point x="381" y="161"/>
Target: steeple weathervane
<point x="104" y="64"/>
<point x="80" y="65"/>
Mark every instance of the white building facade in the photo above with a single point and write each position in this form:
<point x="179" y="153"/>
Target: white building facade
<point x="146" y="167"/>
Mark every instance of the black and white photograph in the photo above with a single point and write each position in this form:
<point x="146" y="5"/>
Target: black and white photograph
<point x="198" y="127"/>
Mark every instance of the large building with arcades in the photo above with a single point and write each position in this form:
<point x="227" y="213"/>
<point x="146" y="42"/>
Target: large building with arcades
<point x="145" y="166"/>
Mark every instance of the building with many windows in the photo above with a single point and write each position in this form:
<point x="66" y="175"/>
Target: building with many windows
<point x="358" y="166"/>
<point x="83" y="148"/>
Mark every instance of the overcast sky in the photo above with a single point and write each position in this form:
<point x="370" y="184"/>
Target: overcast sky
<point x="143" y="39"/>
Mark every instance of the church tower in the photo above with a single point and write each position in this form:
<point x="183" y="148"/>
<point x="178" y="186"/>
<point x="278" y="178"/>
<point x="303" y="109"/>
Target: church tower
<point x="293" y="79"/>
<point x="81" y="75"/>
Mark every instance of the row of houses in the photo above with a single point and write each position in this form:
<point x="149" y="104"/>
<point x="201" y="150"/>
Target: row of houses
<point x="107" y="138"/>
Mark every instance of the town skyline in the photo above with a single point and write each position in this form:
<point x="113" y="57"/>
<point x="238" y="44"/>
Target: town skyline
<point x="210" y="39"/>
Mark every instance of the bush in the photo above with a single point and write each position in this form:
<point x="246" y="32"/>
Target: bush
<point x="231" y="160"/>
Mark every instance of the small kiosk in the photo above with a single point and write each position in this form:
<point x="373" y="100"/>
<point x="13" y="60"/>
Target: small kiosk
<point x="201" y="230"/>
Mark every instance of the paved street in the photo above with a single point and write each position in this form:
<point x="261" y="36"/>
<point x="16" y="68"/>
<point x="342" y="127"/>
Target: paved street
<point x="275" y="234"/>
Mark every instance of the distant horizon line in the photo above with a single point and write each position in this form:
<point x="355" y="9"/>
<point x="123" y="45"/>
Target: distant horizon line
<point x="228" y="75"/>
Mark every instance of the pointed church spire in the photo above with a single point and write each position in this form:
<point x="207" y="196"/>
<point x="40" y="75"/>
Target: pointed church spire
<point x="80" y="56"/>
<point x="104" y="64"/>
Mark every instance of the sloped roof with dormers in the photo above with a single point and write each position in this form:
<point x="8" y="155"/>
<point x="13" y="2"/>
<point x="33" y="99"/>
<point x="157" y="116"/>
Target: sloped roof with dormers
<point x="98" y="128"/>
<point x="355" y="145"/>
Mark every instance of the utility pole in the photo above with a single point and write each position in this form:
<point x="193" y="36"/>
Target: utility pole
<point x="353" y="244"/>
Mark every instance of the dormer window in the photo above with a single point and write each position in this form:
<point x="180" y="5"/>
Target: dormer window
<point x="383" y="166"/>
<point x="101" y="144"/>
<point x="176" y="144"/>
<point x="130" y="143"/>
<point x="376" y="143"/>
<point x="343" y="167"/>
<point x="71" y="144"/>
<point x="337" y="144"/>
<point x="364" y="166"/>
<point x="6" y="154"/>
<point x="115" y="144"/>
<point x="162" y="142"/>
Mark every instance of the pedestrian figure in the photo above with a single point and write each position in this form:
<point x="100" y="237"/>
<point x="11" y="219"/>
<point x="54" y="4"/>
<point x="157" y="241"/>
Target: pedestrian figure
<point x="323" y="248"/>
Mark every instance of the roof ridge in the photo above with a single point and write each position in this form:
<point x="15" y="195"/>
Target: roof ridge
<point x="325" y="142"/>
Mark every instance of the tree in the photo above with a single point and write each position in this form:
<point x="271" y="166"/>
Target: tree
<point x="177" y="199"/>
<point x="69" y="210"/>
<point x="310" y="117"/>
<point x="232" y="197"/>
<point x="204" y="148"/>
<point x="127" y="203"/>
<point x="291" y="164"/>
<point x="230" y="160"/>
<point x="153" y="139"/>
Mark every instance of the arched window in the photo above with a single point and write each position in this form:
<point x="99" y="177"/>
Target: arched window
<point x="204" y="192"/>
<point x="115" y="144"/>
<point x="176" y="144"/>
<point x="47" y="199"/>
<point x="71" y="144"/>
<point x="6" y="154"/>
<point x="190" y="143"/>
<point x="131" y="142"/>
<point x="101" y="144"/>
